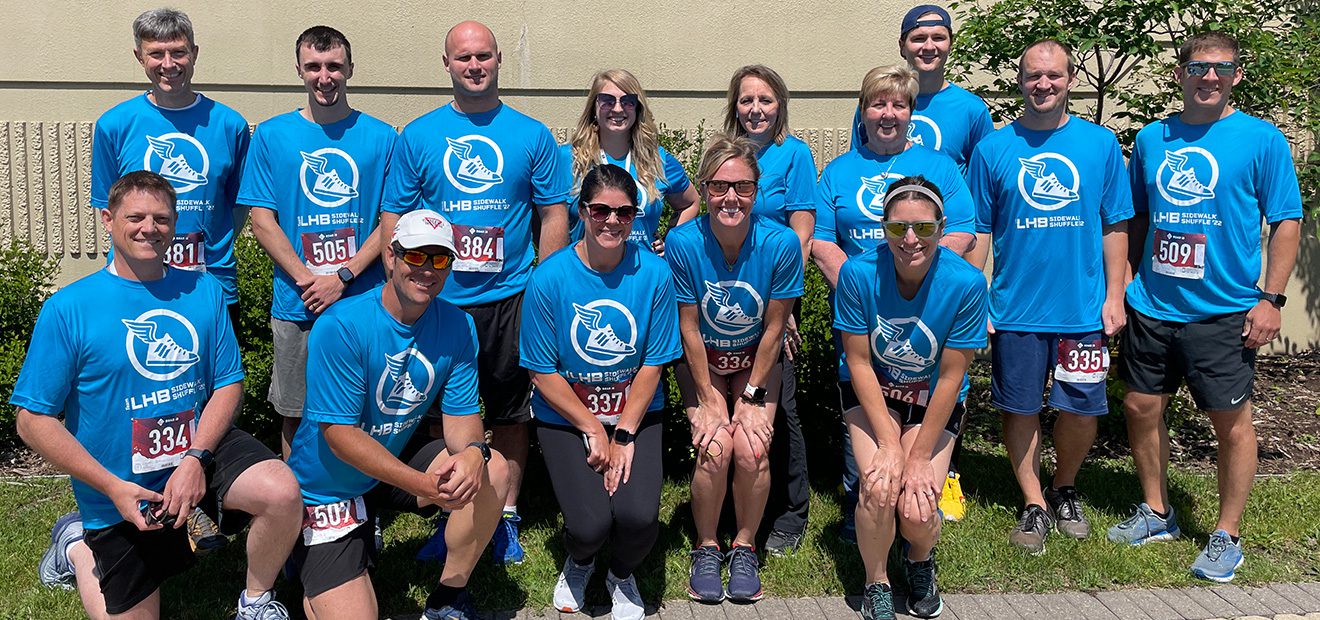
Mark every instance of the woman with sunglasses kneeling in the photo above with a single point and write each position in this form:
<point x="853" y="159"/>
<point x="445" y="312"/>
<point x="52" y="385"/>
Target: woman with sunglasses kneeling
<point x="911" y="314"/>
<point x="616" y="128"/>
<point x="736" y="276"/>
<point x="599" y="321"/>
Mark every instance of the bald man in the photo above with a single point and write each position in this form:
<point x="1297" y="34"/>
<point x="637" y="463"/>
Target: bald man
<point x="490" y="170"/>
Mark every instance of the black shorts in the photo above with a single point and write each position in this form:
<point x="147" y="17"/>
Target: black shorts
<point x="327" y="566"/>
<point x="1155" y="357"/>
<point x="505" y="386"/>
<point x="908" y="413"/>
<point x="131" y="564"/>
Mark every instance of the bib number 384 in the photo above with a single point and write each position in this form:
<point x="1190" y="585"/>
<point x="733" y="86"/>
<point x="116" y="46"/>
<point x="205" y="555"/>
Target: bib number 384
<point x="187" y="252"/>
<point x="332" y="521"/>
<point x="1081" y="362"/>
<point x="159" y="443"/>
<point x="480" y="248"/>
<point x="1179" y="255"/>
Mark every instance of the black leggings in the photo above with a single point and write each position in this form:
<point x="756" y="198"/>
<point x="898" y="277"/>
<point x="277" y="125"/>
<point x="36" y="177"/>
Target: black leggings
<point x="630" y="519"/>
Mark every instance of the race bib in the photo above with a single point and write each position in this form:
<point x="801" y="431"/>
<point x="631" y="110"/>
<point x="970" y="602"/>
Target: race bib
<point x="159" y="443"/>
<point x="480" y="248"/>
<point x="728" y="362"/>
<point x="1082" y="362"/>
<point x="326" y="251"/>
<point x="917" y="393"/>
<point x="1179" y="255"/>
<point x="187" y="252"/>
<point x="604" y="400"/>
<point x="332" y="521"/>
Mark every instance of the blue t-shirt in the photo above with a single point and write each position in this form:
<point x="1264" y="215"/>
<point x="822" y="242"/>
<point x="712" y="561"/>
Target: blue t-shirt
<point x="950" y="120"/>
<point x="908" y="336"/>
<point x="788" y="180"/>
<point x="598" y="332"/>
<point x="1044" y="196"/>
<point x="131" y="365"/>
<point x="651" y="208"/>
<point x="1206" y="188"/>
<point x="485" y="173"/>
<point x="732" y="299"/>
<point x="200" y="150"/>
<point x="324" y="183"/>
<point x="372" y="371"/>
<point x="851" y="194"/>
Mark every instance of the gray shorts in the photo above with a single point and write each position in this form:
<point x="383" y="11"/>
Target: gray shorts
<point x="288" y="373"/>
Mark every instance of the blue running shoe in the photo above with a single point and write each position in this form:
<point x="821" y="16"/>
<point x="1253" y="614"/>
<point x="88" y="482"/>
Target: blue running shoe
<point x="504" y="544"/>
<point x="705" y="583"/>
<point x="1145" y="526"/>
<point x="55" y="570"/>
<point x="461" y="609"/>
<point x="744" y="575"/>
<point x="435" y="549"/>
<point x="1219" y="559"/>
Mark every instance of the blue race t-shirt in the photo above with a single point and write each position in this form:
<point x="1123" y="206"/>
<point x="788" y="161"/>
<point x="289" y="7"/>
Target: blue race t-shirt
<point x="598" y="329"/>
<point x="1206" y="188"/>
<point x="644" y="228"/>
<point x="372" y="371"/>
<point x="485" y="173"/>
<point x="732" y="299"/>
<point x="788" y="180"/>
<point x="324" y="183"/>
<point x="950" y="120"/>
<point x="851" y="195"/>
<point x="1044" y="196"/>
<point x="131" y="365"/>
<point x="199" y="150"/>
<point x="908" y="336"/>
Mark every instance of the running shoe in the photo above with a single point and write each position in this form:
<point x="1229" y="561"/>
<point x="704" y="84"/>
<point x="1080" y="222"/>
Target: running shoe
<point x="504" y="544"/>
<point x="55" y="569"/>
<point x="1066" y="507"/>
<point x="1145" y="526"/>
<point x="781" y="543"/>
<point x="435" y="549"/>
<point x="705" y="583"/>
<point x="460" y="609"/>
<point x="264" y="608"/>
<point x="923" y="600"/>
<point x="203" y="533"/>
<point x="1220" y="558"/>
<point x="625" y="600"/>
<point x="1032" y="527"/>
<point x="878" y="602"/>
<point x="952" y="502"/>
<point x="570" y="590"/>
<point x="744" y="575"/>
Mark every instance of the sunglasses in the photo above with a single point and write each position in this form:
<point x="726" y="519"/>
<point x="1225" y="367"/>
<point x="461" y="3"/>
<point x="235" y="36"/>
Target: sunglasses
<point x="1198" y="68"/>
<point x="742" y="188"/>
<point x="924" y="229"/>
<point x="606" y="100"/>
<point x="601" y="212"/>
<point x="417" y="258"/>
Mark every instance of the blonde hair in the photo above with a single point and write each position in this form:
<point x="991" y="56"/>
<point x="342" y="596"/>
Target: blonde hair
<point x="645" y="143"/>
<point x="721" y="148"/>
<point x="889" y="80"/>
<point x="761" y="72"/>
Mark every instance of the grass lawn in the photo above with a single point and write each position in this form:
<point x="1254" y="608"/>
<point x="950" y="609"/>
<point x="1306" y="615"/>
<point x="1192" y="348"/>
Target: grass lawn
<point x="1282" y="537"/>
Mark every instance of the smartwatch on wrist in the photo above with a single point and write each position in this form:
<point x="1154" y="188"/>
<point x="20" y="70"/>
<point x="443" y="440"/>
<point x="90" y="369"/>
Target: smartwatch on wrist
<point x="622" y="437"/>
<point x="1278" y="299"/>
<point x="754" y="395"/>
<point x="485" y="450"/>
<point x="203" y="456"/>
<point x="345" y="275"/>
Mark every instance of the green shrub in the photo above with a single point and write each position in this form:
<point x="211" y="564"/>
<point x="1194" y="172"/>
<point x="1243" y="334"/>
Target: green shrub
<point x="27" y="278"/>
<point x="255" y="271"/>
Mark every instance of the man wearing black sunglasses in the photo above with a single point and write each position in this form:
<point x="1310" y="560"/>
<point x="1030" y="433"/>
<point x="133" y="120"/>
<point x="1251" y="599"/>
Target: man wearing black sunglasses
<point x="1202" y="180"/>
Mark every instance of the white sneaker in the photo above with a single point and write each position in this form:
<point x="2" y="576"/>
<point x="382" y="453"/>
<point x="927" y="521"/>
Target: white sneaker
<point x="626" y="601"/>
<point x="570" y="590"/>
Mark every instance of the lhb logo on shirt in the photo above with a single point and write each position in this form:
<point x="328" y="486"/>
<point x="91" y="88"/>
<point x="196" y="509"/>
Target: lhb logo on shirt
<point x="1187" y="176"/>
<point x="871" y="195"/>
<point x="1048" y="181"/>
<point x="161" y="344"/>
<point x="329" y="177"/>
<point x="905" y="344"/>
<point x="468" y="163"/>
<point x="596" y="330"/>
<point x="396" y="391"/>
<point x="923" y="130"/>
<point x="178" y="157"/>
<point x="732" y="307"/>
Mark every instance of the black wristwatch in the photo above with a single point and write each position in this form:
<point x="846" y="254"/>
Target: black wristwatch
<point x="754" y="395"/>
<point x="345" y="275"/>
<point x="622" y="437"/>
<point x="203" y="456"/>
<point x="1278" y="299"/>
<point x="485" y="450"/>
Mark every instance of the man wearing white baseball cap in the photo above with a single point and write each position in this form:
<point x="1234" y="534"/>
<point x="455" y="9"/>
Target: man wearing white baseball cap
<point x="379" y="360"/>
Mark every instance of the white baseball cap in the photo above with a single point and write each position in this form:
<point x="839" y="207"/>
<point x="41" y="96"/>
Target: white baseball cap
<point x="424" y="227"/>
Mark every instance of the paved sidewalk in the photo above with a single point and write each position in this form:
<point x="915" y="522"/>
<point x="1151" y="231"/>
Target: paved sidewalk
<point x="1284" y="601"/>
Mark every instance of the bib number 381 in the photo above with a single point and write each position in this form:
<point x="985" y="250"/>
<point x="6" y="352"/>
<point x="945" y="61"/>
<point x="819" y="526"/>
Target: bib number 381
<point x="159" y="443"/>
<point x="332" y="521"/>
<point x="480" y="248"/>
<point x="1179" y="255"/>
<point x="187" y="252"/>
<point x="1081" y="362"/>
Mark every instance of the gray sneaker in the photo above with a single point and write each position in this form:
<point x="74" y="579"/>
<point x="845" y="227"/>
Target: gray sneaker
<point x="264" y="608"/>
<point x="55" y="570"/>
<point x="1145" y="526"/>
<point x="570" y="589"/>
<point x="1066" y="508"/>
<point x="781" y="543"/>
<point x="1032" y="527"/>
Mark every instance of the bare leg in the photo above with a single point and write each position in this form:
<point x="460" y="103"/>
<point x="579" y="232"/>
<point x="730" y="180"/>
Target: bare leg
<point x="470" y="527"/>
<point x="922" y="537"/>
<point x="354" y="599"/>
<point x="268" y="492"/>
<point x="511" y="440"/>
<point x="751" y="473"/>
<point x="1073" y="436"/>
<point x="1237" y="464"/>
<point x="89" y="587"/>
<point x="1149" y="438"/>
<point x="1022" y="439"/>
<point x="148" y="609"/>
<point x="710" y="482"/>
<point x="288" y="428"/>
<point x="875" y="525"/>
